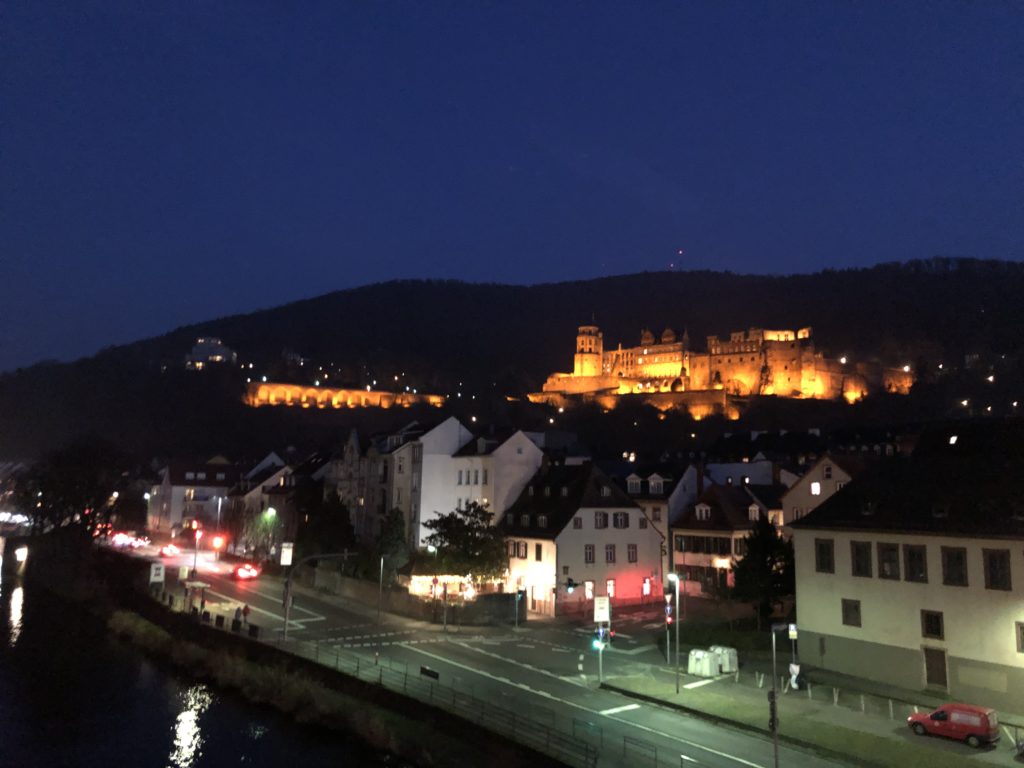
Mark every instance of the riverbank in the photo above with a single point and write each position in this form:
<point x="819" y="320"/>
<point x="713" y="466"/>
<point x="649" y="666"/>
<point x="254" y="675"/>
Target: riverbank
<point x="383" y="719"/>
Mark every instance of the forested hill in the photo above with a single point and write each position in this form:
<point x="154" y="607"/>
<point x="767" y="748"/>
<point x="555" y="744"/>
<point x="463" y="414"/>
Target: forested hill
<point x="508" y="338"/>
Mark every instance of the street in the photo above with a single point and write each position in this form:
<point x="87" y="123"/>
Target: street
<point x="546" y="669"/>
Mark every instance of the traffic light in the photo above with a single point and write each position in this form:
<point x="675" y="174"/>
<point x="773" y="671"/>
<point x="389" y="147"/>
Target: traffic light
<point x="600" y="638"/>
<point x="668" y="613"/>
<point x="570" y="585"/>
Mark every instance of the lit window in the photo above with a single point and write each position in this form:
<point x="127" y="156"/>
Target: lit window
<point x="610" y="587"/>
<point x="588" y="589"/>
<point x="815" y="488"/>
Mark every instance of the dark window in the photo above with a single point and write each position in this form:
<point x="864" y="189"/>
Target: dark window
<point x="888" y="561"/>
<point x="824" y="556"/>
<point x="954" y="566"/>
<point x="860" y="558"/>
<point x="997" y="568"/>
<point x="1020" y="636"/>
<point x="680" y="543"/>
<point x="588" y="553"/>
<point x="915" y="563"/>
<point x="931" y="624"/>
<point x="577" y="523"/>
<point x="851" y="612"/>
<point x="600" y="519"/>
<point x="642" y="522"/>
<point x="542" y="521"/>
<point x="522" y="550"/>
<point x="538" y="552"/>
<point x="609" y="553"/>
<point x="620" y="519"/>
<point x="631" y="552"/>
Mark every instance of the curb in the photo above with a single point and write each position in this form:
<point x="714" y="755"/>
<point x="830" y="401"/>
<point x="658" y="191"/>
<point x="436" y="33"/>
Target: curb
<point x="742" y="726"/>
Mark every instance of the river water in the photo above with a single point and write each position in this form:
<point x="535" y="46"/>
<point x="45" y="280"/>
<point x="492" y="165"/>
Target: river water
<point x="73" y="696"/>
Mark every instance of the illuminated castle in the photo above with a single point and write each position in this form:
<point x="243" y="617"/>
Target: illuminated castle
<point x="755" y="362"/>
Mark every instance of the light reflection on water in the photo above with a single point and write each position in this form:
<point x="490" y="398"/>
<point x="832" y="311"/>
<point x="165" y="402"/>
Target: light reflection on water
<point x="14" y="616"/>
<point x="188" y="736"/>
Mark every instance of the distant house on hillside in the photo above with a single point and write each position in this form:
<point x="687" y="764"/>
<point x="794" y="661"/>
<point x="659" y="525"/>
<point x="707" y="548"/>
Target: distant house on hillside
<point x="208" y="351"/>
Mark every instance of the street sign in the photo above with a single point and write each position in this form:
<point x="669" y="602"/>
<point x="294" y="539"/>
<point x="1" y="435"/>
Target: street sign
<point x="183" y="572"/>
<point x="792" y="631"/>
<point x="286" y="553"/>
<point x="602" y="609"/>
<point x="156" y="573"/>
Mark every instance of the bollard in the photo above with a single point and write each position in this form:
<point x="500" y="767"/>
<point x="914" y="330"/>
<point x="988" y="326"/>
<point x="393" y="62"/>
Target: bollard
<point x="236" y="625"/>
<point x="891" y="716"/>
<point x="809" y="691"/>
<point x="835" y="696"/>
<point x="218" y="621"/>
<point x="862" y="703"/>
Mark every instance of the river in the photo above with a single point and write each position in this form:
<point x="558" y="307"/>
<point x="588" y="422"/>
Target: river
<point x="72" y="696"/>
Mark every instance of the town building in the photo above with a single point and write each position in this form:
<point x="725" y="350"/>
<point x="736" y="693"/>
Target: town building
<point x="711" y="534"/>
<point x="572" y="535"/>
<point x="913" y="575"/>
<point x="209" y="351"/>
<point x="828" y="475"/>
<point x="189" y="489"/>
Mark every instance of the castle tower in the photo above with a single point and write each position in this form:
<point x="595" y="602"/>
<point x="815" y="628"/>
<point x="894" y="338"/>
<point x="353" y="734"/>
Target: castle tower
<point x="589" y="352"/>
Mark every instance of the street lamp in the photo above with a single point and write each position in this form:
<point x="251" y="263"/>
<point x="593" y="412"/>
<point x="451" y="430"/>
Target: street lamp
<point x="674" y="578"/>
<point x="773" y="716"/>
<point x="195" y="556"/>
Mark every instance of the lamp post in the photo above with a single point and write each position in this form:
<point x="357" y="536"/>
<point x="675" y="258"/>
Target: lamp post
<point x="773" y="717"/>
<point x="380" y="601"/>
<point x="674" y="578"/>
<point x="195" y="556"/>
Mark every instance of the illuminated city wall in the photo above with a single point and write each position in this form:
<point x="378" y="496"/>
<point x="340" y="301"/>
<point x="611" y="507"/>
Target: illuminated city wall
<point x="275" y="393"/>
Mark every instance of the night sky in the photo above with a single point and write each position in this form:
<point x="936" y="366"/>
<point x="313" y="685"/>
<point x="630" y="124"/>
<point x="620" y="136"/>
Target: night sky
<point x="170" y="162"/>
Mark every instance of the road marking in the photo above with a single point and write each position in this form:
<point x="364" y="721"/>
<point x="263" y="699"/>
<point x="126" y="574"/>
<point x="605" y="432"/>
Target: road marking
<point x="698" y="684"/>
<point x="507" y="660"/>
<point x="573" y="704"/>
<point x="623" y="708"/>
<point x="525" y="645"/>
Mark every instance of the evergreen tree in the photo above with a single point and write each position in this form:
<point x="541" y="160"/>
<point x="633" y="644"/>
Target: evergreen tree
<point x="764" y="575"/>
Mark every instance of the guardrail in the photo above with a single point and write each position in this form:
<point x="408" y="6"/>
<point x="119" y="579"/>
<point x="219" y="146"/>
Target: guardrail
<point x="423" y="684"/>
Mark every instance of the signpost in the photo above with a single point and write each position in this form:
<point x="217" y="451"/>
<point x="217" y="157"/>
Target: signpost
<point x="286" y="553"/>
<point x="602" y="615"/>
<point x="156" y="573"/>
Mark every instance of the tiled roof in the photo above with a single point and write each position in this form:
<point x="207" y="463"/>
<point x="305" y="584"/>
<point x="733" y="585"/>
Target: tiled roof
<point x="729" y="505"/>
<point x="557" y="492"/>
<point x="963" y="487"/>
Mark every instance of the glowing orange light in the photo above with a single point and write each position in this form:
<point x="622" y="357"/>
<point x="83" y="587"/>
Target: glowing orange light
<point x="218" y="542"/>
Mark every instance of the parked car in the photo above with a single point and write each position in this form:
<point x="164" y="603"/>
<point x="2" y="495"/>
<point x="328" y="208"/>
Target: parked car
<point x="963" y="722"/>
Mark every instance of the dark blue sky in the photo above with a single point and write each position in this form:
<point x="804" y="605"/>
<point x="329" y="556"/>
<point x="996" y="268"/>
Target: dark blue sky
<point x="169" y="162"/>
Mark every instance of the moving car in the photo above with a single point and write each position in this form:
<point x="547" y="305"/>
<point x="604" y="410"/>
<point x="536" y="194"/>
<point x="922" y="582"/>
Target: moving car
<point x="169" y="550"/>
<point x="246" y="571"/>
<point x="963" y="722"/>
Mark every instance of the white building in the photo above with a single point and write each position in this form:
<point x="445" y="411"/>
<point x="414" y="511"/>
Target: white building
<point x="493" y="470"/>
<point x="825" y="477"/>
<point x="914" y="574"/>
<point x="433" y="466"/>
<point x="189" y="489"/>
<point x="572" y="523"/>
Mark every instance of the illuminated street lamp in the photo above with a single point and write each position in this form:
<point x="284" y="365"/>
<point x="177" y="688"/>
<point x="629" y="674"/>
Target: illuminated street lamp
<point x="195" y="556"/>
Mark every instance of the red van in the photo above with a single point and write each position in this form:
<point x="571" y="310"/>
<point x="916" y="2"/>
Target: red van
<point x="963" y="722"/>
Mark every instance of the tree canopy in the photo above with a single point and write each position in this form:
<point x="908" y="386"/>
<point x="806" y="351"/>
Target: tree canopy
<point x="467" y="542"/>
<point x="764" y="575"/>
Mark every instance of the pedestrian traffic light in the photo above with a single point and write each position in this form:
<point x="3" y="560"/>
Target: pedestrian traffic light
<point x="570" y="585"/>
<point x="668" y="613"/>
<point x="600" y="638"/>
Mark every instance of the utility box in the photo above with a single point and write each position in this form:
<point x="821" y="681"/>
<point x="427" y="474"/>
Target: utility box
<point x="701" y="664"/>
<point x="727" y="660"/>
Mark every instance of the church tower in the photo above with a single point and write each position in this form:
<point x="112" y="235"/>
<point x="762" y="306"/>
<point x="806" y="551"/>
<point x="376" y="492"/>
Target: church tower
<point x="589" y="352"/>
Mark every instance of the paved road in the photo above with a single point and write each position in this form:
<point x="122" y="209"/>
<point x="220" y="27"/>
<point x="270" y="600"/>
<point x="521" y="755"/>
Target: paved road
<point x="546" y="670"/>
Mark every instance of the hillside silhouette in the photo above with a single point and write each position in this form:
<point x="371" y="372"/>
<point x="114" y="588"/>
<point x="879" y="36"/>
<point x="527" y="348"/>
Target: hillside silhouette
<point x="495" y="340"/>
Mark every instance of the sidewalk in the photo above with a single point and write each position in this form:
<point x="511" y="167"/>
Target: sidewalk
<point x="813" y="719"/>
